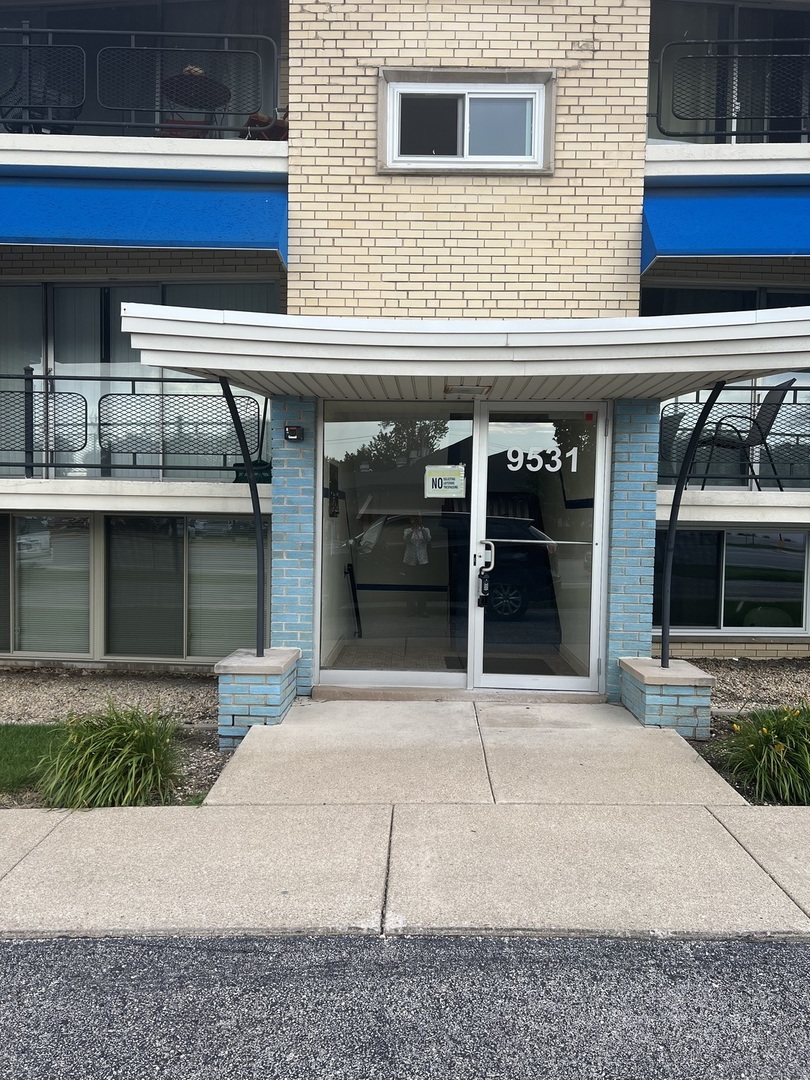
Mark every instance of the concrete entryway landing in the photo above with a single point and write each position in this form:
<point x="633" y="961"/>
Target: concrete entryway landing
<point x="395" y="752"/>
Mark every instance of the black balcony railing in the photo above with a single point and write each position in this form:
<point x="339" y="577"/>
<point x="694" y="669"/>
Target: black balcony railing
<point x="732" y="452"/>
<point x="92" y="82"/>
<point x="750" y="89"/>
<point x="76" y="426"/>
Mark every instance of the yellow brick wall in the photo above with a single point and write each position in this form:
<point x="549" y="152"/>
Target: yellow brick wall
<point x="365" y="244"/>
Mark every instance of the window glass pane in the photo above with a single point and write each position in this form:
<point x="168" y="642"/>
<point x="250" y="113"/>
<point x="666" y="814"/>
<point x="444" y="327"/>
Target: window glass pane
<point x="21" y="337"/>
<point x="20" y="347"/>
<point x="5" y="614"/>
<point x="221" y="586"/>
<point x="500" y="126"/>
<point x="241" y="296"/>
<point x="53" y="584"/>
<point x="77" y="325"/>
<point x="430" y="125"/>
<point x="394" y="585"/>
<point x="696" y="301"/>
<point x="145" y="586"/>
<point x="786" y="299"/>
<point x="695" y="578"/>
<point x="764" y="579"/>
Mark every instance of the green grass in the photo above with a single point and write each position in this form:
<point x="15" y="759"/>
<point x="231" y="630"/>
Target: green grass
<point x="22" y="746"/>
<point x="121" y="757"/>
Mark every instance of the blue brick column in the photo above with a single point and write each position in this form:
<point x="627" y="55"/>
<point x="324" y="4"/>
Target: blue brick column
<point x="633" y="483"/>
<point x="678" y="697"/>
<point x="254" y="691"/>
<point x="292" y="562"/>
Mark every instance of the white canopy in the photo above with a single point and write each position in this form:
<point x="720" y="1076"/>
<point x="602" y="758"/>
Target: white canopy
<point x="442" y="359"/>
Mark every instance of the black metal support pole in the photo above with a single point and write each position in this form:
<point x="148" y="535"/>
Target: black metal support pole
<point x="250" y="476"/>
<point x="677" y="495"/>
<point x="28" y="421"/>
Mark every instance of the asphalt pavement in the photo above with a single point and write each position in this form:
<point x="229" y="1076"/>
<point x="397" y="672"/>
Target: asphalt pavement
<point x="403" y="1008"/>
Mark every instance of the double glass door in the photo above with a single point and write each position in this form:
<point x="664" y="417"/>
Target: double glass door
<point x="461" y="545"/>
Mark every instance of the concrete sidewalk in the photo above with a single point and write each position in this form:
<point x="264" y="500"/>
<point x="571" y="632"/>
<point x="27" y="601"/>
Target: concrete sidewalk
<point x="408" y="817"/>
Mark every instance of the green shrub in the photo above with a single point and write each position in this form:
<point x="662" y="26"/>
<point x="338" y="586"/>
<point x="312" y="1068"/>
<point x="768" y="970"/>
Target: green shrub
<point x="121" y="757"/>
<point x="769" y="752"/>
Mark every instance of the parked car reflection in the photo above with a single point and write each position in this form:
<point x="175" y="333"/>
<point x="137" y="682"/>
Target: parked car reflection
<point x="525" y="560"/>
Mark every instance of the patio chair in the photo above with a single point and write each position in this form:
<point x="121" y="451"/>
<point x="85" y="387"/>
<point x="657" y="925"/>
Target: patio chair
<point x="727" y="434"/>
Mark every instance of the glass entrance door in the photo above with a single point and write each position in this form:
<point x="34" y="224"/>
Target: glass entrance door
<point x="459" y="545"/>
<point x="535" y="533"/>
<point x="396" y="543"/>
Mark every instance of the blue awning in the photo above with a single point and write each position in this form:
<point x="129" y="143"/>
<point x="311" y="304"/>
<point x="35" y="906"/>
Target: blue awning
<point x="143" y="213"/>
<point x="725" y="220"/>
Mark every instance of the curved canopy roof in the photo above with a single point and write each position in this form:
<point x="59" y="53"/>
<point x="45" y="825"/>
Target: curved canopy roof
<point x="438" y="359"/>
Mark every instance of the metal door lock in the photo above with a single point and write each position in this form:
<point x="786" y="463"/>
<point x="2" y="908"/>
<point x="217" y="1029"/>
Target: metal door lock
<point x="483" y="588"/>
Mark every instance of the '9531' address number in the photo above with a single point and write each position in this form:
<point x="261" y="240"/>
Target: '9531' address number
<point x="551" y="459"/>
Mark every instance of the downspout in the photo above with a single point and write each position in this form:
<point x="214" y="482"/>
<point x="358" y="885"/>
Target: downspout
<point x="669" y="557"/>
<point x="250" y="476"/>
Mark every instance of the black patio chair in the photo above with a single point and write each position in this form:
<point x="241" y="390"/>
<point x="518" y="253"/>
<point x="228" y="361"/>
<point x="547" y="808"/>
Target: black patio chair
<point x="727" y="434"/>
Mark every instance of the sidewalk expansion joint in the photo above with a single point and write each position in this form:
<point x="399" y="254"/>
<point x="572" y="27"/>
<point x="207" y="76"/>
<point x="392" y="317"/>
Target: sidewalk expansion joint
<point x="764" y="869"/>
<point x="384" y="907"/>
<point x="484" y="752"/>
<point x="66" y="814"/>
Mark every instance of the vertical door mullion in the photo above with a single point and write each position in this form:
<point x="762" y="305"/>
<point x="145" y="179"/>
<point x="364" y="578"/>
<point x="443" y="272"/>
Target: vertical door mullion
<point x="478" y="504"/>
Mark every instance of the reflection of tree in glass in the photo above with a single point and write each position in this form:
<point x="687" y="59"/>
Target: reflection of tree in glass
<point x="575" y="433"/>
<point x="398" y="443"/>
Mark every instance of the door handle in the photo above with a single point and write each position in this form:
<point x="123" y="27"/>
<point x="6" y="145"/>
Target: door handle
<point x="489" y="556"/>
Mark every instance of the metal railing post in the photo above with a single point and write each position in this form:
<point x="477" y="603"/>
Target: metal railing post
<point x="250" y="476"/>
<point x="28" y="421"/>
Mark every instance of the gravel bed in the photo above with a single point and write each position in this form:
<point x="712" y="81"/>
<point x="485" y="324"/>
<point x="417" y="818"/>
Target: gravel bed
<point x="743" y="685"/>
<point x="42" y="695"/>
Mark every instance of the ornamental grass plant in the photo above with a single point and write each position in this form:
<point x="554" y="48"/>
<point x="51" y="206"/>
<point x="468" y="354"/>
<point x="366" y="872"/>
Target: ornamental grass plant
<point x="769" y="753"/>
<point x="120" y="757"/>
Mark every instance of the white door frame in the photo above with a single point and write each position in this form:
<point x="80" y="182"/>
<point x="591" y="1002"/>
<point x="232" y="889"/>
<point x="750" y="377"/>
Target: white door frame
<point x="478" y="505"/>
<point x="474" y="678"/>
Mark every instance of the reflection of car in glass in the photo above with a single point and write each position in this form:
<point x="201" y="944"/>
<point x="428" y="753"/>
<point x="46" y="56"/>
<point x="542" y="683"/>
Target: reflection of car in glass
<point x="525" y="570"/>
<point x="34" y="547"/>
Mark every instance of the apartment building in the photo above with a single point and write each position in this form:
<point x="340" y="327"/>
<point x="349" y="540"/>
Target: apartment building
<point x="502" y="240"/>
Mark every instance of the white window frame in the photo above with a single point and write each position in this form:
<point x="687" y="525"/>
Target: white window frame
<point x="536" y="86"/>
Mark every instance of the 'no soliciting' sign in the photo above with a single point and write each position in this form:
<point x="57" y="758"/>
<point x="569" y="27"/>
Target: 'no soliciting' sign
<point x="445" y="482"/>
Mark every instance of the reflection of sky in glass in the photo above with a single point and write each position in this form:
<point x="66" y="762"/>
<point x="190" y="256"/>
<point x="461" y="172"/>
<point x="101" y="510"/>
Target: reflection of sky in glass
<point x="528" y="436"/>
<point x="346" y="438"/>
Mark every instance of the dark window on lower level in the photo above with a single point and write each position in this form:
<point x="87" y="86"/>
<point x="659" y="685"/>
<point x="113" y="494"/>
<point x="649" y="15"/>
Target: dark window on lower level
<point x="764" y="579"/>
<point x="145" y="573"/>
<point x="696" y="578"/>
<point x="734" y="580"/>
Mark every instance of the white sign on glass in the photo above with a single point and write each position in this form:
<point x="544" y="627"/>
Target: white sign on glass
<point x="445" y="482"/>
